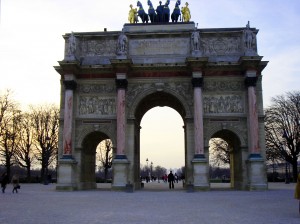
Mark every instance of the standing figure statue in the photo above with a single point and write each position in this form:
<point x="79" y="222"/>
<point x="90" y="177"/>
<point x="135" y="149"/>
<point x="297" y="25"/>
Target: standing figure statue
<point x="71" y="46"/>
<point x="160" y="11"/>
<point x="195" y="40"/>
<point x="151" y="12"/>
<point x="122" y="44"/>
<point x="186" y="14"/>
<point x="176" y="12"/>
<point x="166" y="12"/>
<point x="249" y="37"/>
<point x="132" y="15"/>
<point x="141" y="13"/>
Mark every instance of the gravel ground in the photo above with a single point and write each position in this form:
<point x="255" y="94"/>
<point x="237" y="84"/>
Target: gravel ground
<point x="36" y="203"/>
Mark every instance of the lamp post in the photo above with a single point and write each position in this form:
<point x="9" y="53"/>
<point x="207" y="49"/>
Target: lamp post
<point x="150" y="174"/>
<point x="45" y="158"/>
<point x="147" y="172"/>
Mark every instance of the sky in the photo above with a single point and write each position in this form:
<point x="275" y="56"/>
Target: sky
<point x="31" y="43"/>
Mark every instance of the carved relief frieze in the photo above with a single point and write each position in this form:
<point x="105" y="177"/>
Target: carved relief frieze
<point x="176" y="46"/>
<point x="215" y="85"/>
<point x="104" y="47"/>
<point x="225" y="103"/>
<point x="97" y="88"/>
<point x="96" y="105"/>
<point x="221" y="45"/>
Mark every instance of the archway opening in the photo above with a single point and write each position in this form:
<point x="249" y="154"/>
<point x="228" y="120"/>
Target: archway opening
<point x="161" y="141"/>
<point x="225" y="160"/>
<point x="91" y="167"/>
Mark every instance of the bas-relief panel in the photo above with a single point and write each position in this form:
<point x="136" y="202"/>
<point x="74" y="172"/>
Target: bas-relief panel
<point x="96" y="105"/>
<point x="96" y="99"/>
<point x="225" y="103"/>
<point x="221" y="45"/>
<point x="232" y="102"/>
<point x="223" y="85"/>
<point x="98" y="47"/>
<point x="176" y="46"/>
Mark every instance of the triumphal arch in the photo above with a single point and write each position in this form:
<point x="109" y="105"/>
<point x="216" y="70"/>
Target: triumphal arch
<point x="211" y="77"/>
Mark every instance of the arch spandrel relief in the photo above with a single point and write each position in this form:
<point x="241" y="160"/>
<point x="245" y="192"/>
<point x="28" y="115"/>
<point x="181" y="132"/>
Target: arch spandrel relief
<point x="237" y="127"/>
<point x="85" y="129"/>
<point x="181" y="90"/>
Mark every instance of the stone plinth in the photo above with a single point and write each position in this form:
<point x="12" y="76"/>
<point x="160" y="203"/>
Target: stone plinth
<point x="120" y="174"/>
<point x="200" y="175"/>
<point x="66" y="171"/>
<point x="257" y="179"/>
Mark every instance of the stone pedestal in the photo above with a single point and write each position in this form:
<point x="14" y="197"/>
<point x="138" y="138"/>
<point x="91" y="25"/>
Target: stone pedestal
<point x="257" y="179"/>
<point x="66" y="175"/>
<point x="200" y="175"/>
<point x="120" y="171"/>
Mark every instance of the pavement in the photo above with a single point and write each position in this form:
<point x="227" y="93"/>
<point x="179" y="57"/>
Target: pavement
<point x="42" y="204"/>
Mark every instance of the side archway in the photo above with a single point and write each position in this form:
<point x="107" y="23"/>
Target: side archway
<point x="236" y="157"/>
<point x="88" y="159"/>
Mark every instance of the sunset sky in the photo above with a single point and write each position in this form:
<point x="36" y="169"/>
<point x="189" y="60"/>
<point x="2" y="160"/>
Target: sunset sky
<point x="31" y="43"/>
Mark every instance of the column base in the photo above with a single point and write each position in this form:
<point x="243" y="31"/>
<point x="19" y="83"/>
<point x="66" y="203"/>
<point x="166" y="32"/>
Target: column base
<point x="120" y="174"/>
<point x="200" y="174"/>
<point x="257" y="179"/>
<point x="66" y="175"/>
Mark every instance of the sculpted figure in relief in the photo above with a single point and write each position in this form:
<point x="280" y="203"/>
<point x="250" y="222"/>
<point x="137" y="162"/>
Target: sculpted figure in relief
<point x="195" y="40"/>
<point x="122" y="44"/>
<point x="71" y="45"/>
<point x="249" y="37"/>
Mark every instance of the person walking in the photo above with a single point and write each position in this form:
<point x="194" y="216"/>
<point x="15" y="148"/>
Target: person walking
<point x="297" y="190"/>
<point x="4" y="181"/>
<point x="15" y="182"/>
<point x="171" y="180"/>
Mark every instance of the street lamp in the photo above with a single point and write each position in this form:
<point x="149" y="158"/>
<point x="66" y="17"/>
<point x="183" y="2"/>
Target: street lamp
<point x="45" y="156"/>
<point x="151" y="171"/>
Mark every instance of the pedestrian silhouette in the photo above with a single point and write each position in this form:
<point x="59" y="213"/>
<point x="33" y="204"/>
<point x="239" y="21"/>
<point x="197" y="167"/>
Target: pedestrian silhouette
<point x="4" y="181"/>
<point x="171" y="180"/>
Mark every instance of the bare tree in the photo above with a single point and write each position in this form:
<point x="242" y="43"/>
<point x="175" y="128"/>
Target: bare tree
<point x="220" y="152"/>
<point x="45" y="122"/>
<point x="10" y="116"/>
<point x="283" y="129"/>
<point x="24" y="154"/>
<point x="105" y="149"/>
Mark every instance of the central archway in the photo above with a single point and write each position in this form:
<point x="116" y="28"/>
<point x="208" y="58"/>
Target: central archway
<point x="157" y="99"/>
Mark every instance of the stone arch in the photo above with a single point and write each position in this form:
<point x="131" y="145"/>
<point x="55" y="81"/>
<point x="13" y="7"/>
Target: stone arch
<point x="84" y="131"/>
<point x="186" y="107"/>
<point x="237" y="160"/>
<point x="225" y="126"/>
<point x="88" y="157"/>
<point x="144" y="103"/>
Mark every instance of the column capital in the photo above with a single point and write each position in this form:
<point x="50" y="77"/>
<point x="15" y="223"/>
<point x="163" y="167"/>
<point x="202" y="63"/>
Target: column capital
<point x="250" y="81"/>
<point x="197" y="82"/>
<point x="70" y="84"/>
<point x="121" y="83"/>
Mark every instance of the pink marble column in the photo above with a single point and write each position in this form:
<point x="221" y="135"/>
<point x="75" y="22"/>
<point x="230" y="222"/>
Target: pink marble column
<point x="70" y="86"/>
<point x="198" y="117"/>
<point x="121" y="117"/>
<point x="252" y="116"/>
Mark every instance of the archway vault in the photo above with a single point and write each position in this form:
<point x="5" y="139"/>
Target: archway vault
<point x="158" y="98"/>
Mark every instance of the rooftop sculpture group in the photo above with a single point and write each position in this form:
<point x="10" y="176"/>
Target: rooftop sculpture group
<point x="161" y="14"/>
